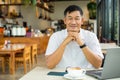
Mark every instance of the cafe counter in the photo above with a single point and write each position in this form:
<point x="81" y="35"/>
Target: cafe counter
<point x="41" y="41"/>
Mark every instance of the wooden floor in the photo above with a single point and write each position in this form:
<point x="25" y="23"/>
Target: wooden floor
<point x="20" y="72"/>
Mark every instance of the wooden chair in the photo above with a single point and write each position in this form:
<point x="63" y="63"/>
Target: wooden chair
<point x="34" y="54"/>
<point x="2" y="61"/>
<point x="24" y="57"/>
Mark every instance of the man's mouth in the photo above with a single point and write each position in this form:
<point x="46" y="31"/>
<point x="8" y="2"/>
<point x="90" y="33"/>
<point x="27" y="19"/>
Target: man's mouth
<point x="73" y="27"/>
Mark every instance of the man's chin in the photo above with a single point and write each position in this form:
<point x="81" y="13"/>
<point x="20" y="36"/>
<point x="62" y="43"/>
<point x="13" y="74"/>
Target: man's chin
<point x="73" y="30"/>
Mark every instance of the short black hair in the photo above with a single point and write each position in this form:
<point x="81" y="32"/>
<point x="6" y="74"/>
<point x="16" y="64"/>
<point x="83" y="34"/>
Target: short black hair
<point x="72" y="8"/>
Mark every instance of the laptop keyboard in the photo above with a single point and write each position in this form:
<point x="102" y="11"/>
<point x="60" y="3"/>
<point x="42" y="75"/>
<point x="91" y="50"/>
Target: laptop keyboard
<point x="97" y="72"/>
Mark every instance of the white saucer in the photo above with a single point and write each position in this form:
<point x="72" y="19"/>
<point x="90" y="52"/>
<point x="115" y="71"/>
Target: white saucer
<point x="67" y="76"/>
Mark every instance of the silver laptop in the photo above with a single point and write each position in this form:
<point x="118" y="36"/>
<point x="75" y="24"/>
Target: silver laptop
<point x="111" y="67"/>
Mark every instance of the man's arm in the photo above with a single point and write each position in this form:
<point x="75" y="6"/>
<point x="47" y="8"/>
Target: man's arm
<point x="53" y="59"/>
<point x="93" y="58"/>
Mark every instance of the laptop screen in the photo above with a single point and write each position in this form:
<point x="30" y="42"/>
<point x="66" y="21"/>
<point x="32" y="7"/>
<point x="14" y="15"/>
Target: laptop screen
<point x="111" y="67"/>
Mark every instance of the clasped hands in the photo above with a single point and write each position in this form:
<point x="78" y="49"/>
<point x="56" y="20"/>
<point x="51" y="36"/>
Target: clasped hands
<point x="73" y="35"/>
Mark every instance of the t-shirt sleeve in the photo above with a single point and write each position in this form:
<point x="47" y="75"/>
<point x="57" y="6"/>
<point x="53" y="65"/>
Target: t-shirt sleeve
<point x="52" y="45"/>
<point x="94" y="45"/>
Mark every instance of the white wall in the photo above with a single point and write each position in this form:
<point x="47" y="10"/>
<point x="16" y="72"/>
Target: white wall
<point x="60" y="6"/>
<point x="30" y="17"/>
<point x="29" y="14"/>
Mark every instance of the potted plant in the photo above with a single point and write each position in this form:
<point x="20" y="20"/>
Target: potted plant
<point x="92" y="9"/>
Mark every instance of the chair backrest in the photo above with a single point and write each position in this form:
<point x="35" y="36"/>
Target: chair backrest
<point x="1" y="58"/>
<point x="34" y="49"/>
<point x="2" y="61"/>
<point x="27" y="52"/>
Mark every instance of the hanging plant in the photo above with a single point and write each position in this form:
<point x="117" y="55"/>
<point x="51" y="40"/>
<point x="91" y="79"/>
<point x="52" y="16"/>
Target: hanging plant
<point x="33" y="2"/>
<point x="26" y="2"/>
<point x="92" y="9"/>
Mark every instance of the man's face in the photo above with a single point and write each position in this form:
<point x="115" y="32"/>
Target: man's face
<point x="73" y="21"/>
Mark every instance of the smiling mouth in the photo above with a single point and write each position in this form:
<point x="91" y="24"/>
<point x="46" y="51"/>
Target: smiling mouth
<point x="73" y="27"/>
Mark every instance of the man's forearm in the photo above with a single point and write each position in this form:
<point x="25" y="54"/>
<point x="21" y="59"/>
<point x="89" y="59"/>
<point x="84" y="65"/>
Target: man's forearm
<point x="53" y="59"/>
<point x="94" y="59"/>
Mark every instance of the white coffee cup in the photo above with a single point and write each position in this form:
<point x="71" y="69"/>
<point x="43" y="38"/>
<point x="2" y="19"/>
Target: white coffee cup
<point x="76" y="73"/>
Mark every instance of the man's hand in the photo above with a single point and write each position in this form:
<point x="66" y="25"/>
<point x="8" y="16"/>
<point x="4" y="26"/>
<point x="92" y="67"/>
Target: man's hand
<point x="68" y="39"/>
<point x="75" y="34"/>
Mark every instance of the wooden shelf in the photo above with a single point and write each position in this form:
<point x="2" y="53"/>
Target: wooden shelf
<point x="42" y="6"/>
<point x="7" y="8"/>
<point x="11" y="4"/>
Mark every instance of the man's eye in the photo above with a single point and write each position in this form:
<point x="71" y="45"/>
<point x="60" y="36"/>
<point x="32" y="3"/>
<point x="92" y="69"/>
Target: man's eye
<point x="69" y="18"/>
<point x="77" y="18"/>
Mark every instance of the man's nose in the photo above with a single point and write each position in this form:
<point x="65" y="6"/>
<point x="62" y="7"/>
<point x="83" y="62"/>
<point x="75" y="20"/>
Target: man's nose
<point x="73" y="21"/>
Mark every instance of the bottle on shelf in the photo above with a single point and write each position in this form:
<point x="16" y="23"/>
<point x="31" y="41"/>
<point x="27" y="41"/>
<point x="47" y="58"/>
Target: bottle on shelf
<point x="9" y="32"/>
<point x="5" y="31"/>
<point x="28" y="32"/>
<point x="23" y="31"/>
<point x="32" y="32"/>
<point x="14" y="31"/>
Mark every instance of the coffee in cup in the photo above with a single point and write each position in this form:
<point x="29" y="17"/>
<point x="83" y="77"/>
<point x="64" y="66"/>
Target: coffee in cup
<point x="76" y="72"/>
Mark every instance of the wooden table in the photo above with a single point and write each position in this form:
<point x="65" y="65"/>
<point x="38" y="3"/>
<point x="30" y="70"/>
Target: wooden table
<point x="40" y="73"/>
<point x="12" y="49"/>
<point x="40" y="41"/>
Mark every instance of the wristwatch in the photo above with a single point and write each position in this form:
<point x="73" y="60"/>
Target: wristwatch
<point x="82" y="46"/>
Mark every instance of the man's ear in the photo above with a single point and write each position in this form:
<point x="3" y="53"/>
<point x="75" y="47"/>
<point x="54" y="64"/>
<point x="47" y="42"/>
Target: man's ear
<point x="64" y="21"/>
<point x="82" y="20"/>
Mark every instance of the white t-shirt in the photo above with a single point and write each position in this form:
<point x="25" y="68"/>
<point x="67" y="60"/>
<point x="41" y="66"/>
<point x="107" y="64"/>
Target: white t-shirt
<point x="73" y="55"/>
